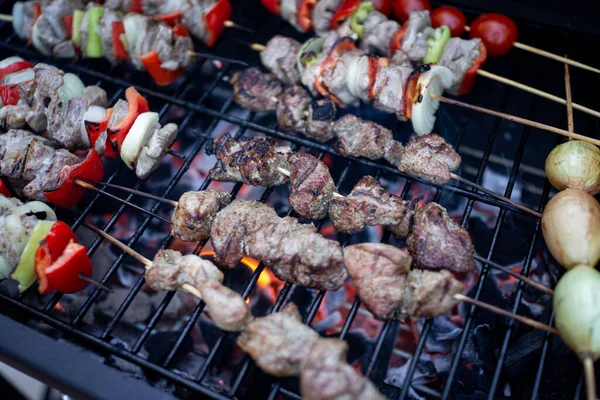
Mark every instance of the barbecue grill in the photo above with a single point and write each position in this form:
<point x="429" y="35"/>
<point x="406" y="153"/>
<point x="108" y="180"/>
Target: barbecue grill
<point x="62" y="350"/>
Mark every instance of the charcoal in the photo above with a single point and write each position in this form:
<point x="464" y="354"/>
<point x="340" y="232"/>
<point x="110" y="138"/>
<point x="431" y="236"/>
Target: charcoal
<point x="160" y="344"/>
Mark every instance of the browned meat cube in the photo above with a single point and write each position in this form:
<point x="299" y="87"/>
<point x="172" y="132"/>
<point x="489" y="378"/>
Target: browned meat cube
<point x="436" y="242"/>
<point x="430" y="158"/>
<point x="195" y="212"/>
<point x="311" y="186"/>
<point x="319" y="122"/>
<point x="326" y="375"/>
<point x="256" y="91"/>
<point x="431" y="293"/>
<point x="279" y="57"/>
<point x="227" y="308"/>
<point x="279" y="342"/>
<point x="291" y="109"/>
<point x="368" y="204"/>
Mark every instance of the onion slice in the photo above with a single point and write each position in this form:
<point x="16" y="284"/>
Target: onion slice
<point x="93" y="114"/>
<point x="432" y="82"/>
<point x="143" y="127"/>
<point x="357" y="71"/>
<point x="13" y="222"/>
<point x="308" y="53"/>
<point x="18" y="14"/>
<point x="15" y="78"/>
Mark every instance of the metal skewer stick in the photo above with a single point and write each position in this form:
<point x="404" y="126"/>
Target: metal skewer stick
<point x="520" y="120"/>
<point x="147" y="263"/>
<point x="547" y="54"/>
<point x="112" y="196"/>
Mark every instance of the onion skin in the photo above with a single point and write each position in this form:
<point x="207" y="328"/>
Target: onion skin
<point x="571" y="228"/>
<point x="576" y="165"/>
<point x="577" y="310"/>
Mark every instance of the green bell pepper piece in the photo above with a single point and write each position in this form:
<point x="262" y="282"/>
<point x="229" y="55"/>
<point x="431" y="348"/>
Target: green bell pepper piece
<point x="76" y="34"/>
<point x="93" y="48"/>
<point x="360" y="16"/>
<point x="436" y="44"/>
<point x="25" y="271"/>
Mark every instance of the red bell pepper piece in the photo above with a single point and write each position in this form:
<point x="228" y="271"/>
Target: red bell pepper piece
<point x="94" y="129"/>
<point x="37" y="13"/>
<point x="215" y="18"/>
<point x="10" y="94"/>
<point x="116" y="134"/>
<point x="171" y="19"/>
<point x="68" y="22"/>
<point x="136" y="7"/>
<point x="374" y="64"/>
<point x="410" y="90"/>
<point x="181" y="30"/>
<point x="161" y="76"/>
<point x="4" y="190"/>
<point x="68" y="193"/>
<point x="341" y="46"/>
<point x="398" y="38"/>
<point x="469" y="79"/>
<point x="63" y="274"/>
<point x="50" y="250"/>
<point x="272" y="5"/>
<point x="14" y="67"/>
<point x="345" y="10"/>
<point x="118" y="29"/>
<point x="304" y="15"/>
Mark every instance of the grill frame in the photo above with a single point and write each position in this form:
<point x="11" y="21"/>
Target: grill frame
<point x="101" y="346"/>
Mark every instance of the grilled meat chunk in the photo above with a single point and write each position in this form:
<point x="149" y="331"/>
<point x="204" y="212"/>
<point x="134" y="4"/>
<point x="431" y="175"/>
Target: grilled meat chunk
<point x="319" y="122"/>
<point x="279" y="342"/>
<point x="170" y="270"/>
<point x="325" y="374"/>
<point x="458" y="55"/>
<point x="322" y="14"/>
<point x="368" y="204"/>
<point x="253" y="161"/>
<point x="256" y="91"/>
<point x="13" y="117"/>
<point x="151" y="154"/>
<point x="25" y="157"/>
<point x="430" y="158"/>
<point x="194" y="12"/>
<point x="106" y="33"/>
<point x="414" y="41"/>
<point x="227" y="308"/>
<point x="48" y="176"/>
<point x="360" y="138"/>
<point x="378" y="272"/>
<point x="46" y="103"/>
<point x="279" y="57"/>
<point x="431" y="293"/>
<point x="311" y="186"/>
<point x="334" y="73"/>
<point x="195" y="211"/>
<point x="232" y="225"/>
<point x="293" y="104"/>
<point x="377" y="31"/>
<point x="436" y="242"/>
<point x="297" y="253"/>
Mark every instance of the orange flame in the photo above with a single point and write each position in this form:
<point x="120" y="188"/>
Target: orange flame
<point x="264" y="279"/>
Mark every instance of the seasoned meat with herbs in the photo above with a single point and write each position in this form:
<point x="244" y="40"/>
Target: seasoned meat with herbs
<point x="325" y="374"/>
<point x="319" y="122"/>
<point x="48" y="176"/>
<point x="361" y="138"/>
<point x="377" y="31"/>
<point x="291" y="109"/>
<point x="378" y="272"/>
<point x="458" y="55"/>
<point x="233" y="225"/>
<point x="279" y="57"/>
<point x="195" y="211"/>
<point x="437" y="242"/>
<point x="25" y="157"/>
<point x="227" y="308"/>
<point x="255" y="90"/>
<point x="429" y="157"/>
<point x="298" y="254"/>
<point x="311" y="186"/>
<point x="322" y="14"/>
<point x="254" y="161"/>
<point x="368" y="204"/>
<point x="278" y="343"/>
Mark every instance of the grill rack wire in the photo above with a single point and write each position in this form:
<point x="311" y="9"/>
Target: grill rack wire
<point x="197" y="108"/>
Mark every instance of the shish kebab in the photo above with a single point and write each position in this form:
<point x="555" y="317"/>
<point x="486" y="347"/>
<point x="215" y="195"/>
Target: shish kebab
<point x="415" y="41"/>
<point x="66" y="29"/>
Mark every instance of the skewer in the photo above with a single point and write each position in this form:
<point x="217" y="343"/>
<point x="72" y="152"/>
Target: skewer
<point x="139" y="193"/>
<point x="547" y="54"/>
<point x="569" y="99"/>
<point x="521" y="277"/>
<point x="590" y="377"/>
<point x="218" y="58"/>
<point x="147" y="263"/>
<point x="174" y="153"/>
<point x="510" y="82"/>
<point x="142" y="209"/>
<point x="520" y="120"/>
<point x="93" y="282"/>
<point x="231" y="24"/>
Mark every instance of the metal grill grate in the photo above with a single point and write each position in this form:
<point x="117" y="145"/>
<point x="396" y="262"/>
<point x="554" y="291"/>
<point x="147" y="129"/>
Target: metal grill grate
<point x="204" y="112"/>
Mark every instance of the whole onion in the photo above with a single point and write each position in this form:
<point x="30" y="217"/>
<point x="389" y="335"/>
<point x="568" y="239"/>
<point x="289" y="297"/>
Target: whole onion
<point x="571" y="228"/>
<point x="577" y="308"/>
<point x="576" y="165"/>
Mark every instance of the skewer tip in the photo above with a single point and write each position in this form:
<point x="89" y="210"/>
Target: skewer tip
<point x="257" y="46"/>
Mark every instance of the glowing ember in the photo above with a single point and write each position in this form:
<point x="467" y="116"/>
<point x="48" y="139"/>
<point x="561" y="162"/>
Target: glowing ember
<point x="264" y="279"/>
<point x="59" y="307"/>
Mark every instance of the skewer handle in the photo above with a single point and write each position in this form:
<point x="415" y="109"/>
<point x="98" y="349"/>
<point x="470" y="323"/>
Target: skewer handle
<point x="569" y="99"/>
<point x="93" y="282"/>
<point x="590" y="377"/>
<point x="192" y="290"/>
<point x="6" y="17"/>
<point x="521" y="277"/>
<point x="556" y="57"/>
<point x="140" y="193"/>
<point x="257" y="46"/>
<point x="537" y="92"/>
<point x="119" y="244"/>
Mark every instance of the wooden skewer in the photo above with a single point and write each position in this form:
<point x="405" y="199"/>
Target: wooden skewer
<point x="174" y="153"/>
<point x="231" y="24"/>
<point x="6" y="17"/>
<point x="590" y="377"/>
<point x="209" y="56"/>
<point x="140" y="193"/>
<point x="519" y="120"/>
<point x="547" y="54"/>
<point x="521" y="277"/>
<point x="142" y="209"/>
<point x="93" y="282"/>
<point x="569" y="99"/>
<point x="147" y="263"/>
<point x="504" y="313"/>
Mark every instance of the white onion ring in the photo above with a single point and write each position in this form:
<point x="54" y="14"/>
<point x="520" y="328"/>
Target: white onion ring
<point x="434" y="81"/>
<point x="13" y="223"/>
